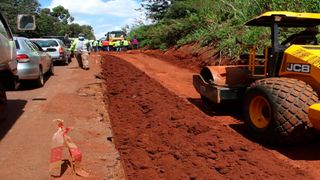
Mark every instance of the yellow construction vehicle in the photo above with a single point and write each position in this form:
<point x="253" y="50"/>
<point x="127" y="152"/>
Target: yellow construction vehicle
<point x="280" y="89"/>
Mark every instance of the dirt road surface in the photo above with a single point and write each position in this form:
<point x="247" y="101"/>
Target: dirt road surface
<point x="162" y="131"/>
<point x="73" y="95"/>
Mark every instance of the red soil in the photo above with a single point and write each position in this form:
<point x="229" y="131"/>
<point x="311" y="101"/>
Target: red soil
<point x="191" y="56"/>
<point x="160" y="135"/>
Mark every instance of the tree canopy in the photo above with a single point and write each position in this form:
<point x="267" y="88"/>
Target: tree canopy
<point x="55" y="22"/>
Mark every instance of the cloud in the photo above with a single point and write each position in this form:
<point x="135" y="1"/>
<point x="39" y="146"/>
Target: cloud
<point x="81" y="22"/>
<point x="103" y="15"/>
<point x="121" y="8"/>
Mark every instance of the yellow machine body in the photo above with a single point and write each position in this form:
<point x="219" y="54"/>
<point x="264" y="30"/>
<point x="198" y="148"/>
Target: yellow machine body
<point x="302" y="62"/>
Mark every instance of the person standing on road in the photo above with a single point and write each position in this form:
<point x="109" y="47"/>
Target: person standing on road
<point x="100" y="45"/>
<point x="79" y="46"/>
<point x="125" y="44"/>
<point x="105" y="45"/>
<point x="94" y="45"/>
<point x="135" y="42"/>
<point x="118" y="46"/>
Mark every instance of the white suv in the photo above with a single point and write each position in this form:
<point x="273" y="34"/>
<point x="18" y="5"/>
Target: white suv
<point x="8" y="62"/>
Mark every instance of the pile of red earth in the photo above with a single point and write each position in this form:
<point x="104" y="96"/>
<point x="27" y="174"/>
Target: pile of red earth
<point x="191" y="56"/>
<point x="162" y="136"/>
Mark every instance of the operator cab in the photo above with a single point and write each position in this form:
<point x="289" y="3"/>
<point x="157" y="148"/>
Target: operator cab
<point x="284" y="19"/>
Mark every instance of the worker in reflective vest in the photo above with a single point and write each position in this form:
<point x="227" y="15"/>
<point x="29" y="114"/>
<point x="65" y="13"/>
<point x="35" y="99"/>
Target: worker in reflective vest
<point x="125" y="44"/>
<point x="95" y="45"/>
<point x="80" y="47"/>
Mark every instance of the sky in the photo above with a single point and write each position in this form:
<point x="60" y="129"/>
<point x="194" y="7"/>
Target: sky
<point x="102" y="15"/>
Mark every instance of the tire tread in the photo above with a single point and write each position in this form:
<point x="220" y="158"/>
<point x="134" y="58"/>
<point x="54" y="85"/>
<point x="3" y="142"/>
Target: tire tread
<point x="291" y="99"/>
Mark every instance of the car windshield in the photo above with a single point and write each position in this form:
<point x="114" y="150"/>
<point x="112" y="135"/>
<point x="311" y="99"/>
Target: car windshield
<point x="46" y="43"/>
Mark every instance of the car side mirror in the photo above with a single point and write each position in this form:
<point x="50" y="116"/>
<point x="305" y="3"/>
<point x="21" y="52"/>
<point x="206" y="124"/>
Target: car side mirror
<point x="26" y="22"/>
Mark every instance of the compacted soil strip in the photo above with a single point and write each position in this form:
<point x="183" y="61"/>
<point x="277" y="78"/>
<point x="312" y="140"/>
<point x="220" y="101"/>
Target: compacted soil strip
<point x="162" y="136"/>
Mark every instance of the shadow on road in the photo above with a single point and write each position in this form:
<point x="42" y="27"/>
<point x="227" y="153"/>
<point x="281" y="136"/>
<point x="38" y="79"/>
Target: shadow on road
<point x="30" y="85"/>
<point x="64" y="166"/>
<point x="227" y="109"/>
<point x="307" y="151"/>
<point x="10" y="115"/>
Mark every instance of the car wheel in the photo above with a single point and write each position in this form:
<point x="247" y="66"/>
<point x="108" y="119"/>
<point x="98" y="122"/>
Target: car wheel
<point x="40" y="80"/>
<point x="3" y="101"/>
<point x="13" y="83"/>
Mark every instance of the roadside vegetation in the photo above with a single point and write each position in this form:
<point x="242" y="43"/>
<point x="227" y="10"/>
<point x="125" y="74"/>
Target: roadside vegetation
<point x="56" y="21"/>
<point x="211" y="23"/>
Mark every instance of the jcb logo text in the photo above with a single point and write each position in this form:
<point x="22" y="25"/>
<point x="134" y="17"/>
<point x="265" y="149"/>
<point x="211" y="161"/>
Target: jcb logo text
<point x="303" y="68"/>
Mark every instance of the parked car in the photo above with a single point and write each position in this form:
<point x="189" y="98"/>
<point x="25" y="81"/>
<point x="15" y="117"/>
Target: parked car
<point x="66" y="41"/>
<point x="58" y="51"/>
<point x="33" y="61"/>
<point x="8" y="63"/>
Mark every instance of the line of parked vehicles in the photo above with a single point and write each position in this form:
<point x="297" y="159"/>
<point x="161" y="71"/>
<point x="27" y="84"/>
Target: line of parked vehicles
<point x="36" y="57"/>
<point x="24" y="59"/>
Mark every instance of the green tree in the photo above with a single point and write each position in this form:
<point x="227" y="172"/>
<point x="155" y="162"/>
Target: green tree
<point x="48" y="22"/>
<point x="156" y="9"/>
<point x="62" y="14"/>
<point x="11" y="8"/>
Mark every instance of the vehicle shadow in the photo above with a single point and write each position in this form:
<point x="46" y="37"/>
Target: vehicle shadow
<point x="30" y="85"/>
<point x="306" y="151"/>
<point x="60" y="64"/>
<point x="227" y="109"/>
<point x="10" y="114"/>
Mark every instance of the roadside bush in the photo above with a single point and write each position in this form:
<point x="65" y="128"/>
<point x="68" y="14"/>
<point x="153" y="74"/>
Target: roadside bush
<point x="217" y="23"/>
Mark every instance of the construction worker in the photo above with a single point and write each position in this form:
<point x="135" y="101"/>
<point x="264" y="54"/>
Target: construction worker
<point x="118" y="46"/>
<point x="99" y="45"/>
<point x="95" y="45"/>
<point x="135" y="42"/>
<point x="125" y="44"/>
<point x="111" y="45"/>
<point x="91" y="44"/>
<point x="105" y="45"/>
<point x="80" y="47"/>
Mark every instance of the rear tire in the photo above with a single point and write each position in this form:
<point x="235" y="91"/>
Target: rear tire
<point x="3" y="102"/>
<point x="276" y="110"/>
<point x="13" y="83"/>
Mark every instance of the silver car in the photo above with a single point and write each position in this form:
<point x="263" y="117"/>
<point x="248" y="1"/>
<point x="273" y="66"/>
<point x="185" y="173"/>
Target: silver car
<point x="58" y="51"/>
<point x="33" y="62"/>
